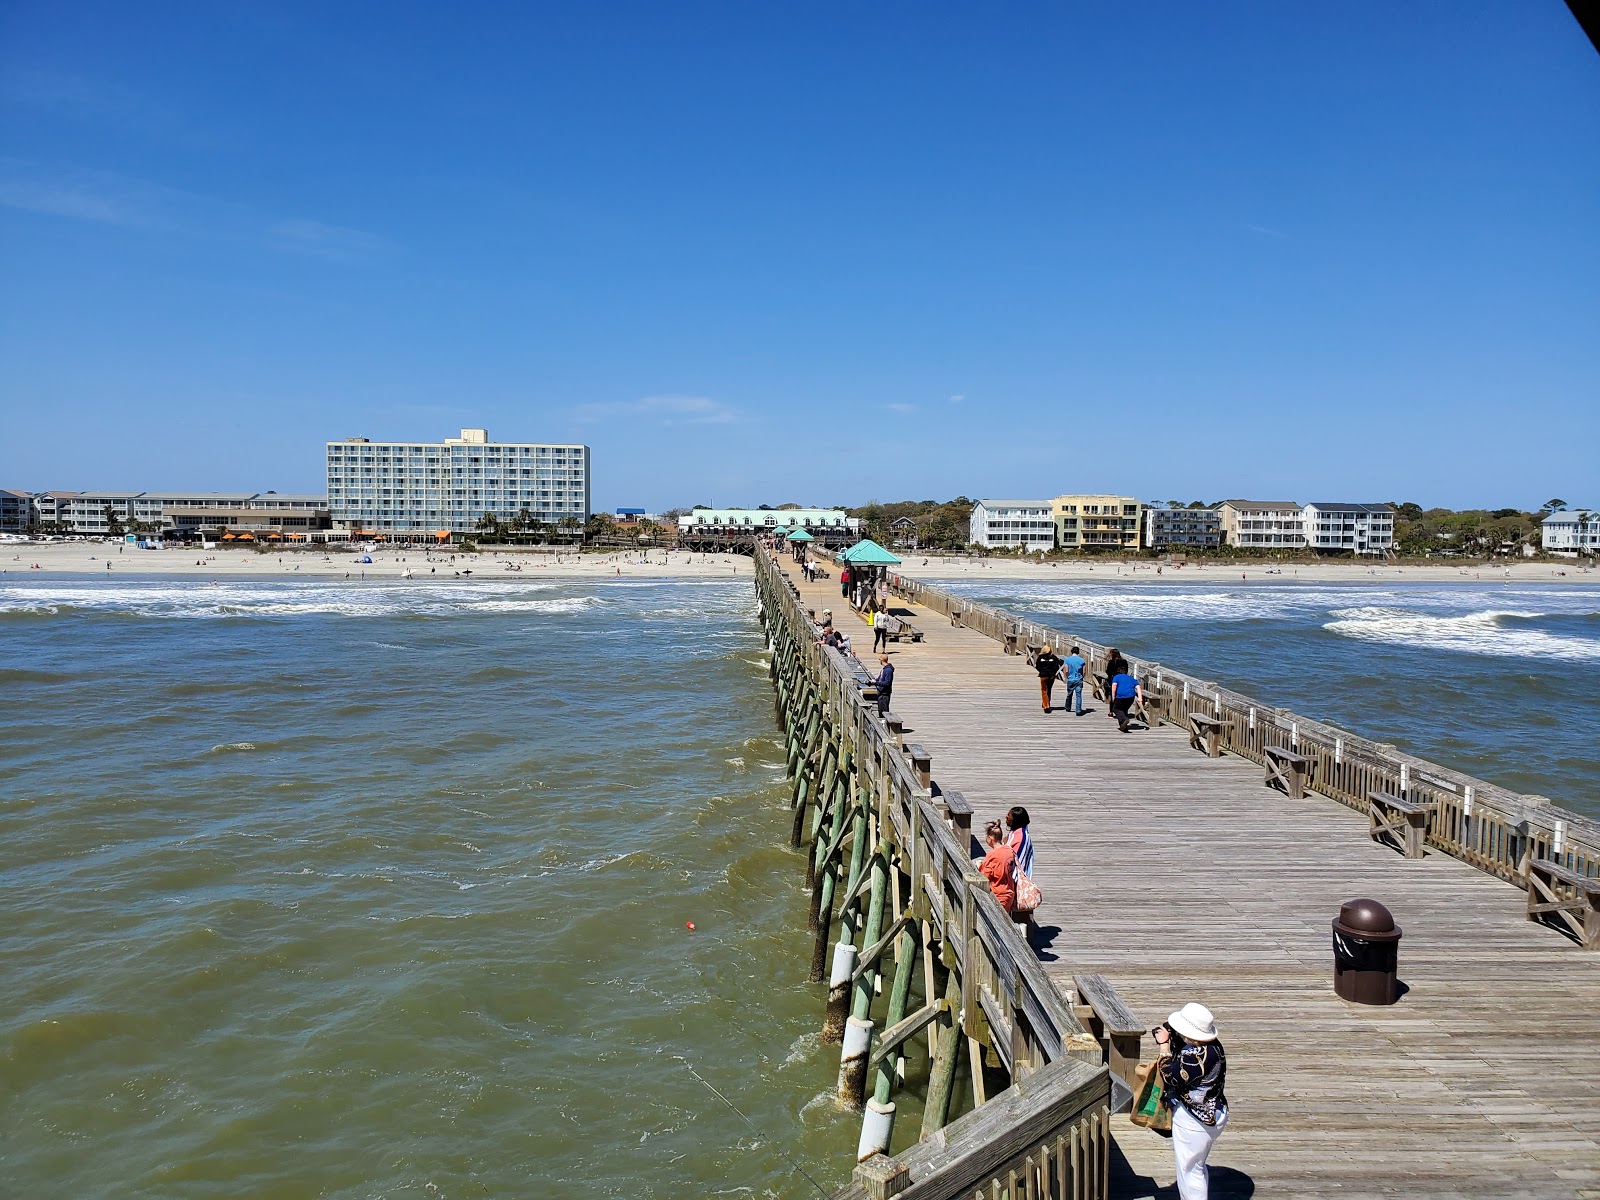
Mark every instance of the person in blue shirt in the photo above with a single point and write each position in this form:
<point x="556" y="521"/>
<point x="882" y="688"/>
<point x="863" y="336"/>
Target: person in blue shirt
<point x="1126" y="691"/>
<point x="1073" y="664"/>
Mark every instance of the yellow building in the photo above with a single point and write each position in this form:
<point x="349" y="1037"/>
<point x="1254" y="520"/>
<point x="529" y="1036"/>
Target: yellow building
<point x="1097" y="522"/>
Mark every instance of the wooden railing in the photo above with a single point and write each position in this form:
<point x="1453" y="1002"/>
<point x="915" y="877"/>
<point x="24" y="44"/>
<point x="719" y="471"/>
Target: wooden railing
<point x="1046" y="1134"/>
<point x="1490" y="827"/>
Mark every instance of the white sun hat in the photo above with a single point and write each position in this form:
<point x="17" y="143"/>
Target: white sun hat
<point x="1195" y="1022"/>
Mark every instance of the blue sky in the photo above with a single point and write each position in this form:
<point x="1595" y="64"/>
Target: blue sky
<point x="822" y="252"/>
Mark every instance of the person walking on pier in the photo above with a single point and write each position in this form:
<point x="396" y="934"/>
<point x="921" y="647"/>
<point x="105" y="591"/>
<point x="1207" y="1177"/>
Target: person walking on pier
<point x="1115" y="665"/>
<point x="844" y="582"/>
<point x="1048" y="664"/>
<point x="999" y="867"/>
<point x="884" y="682"/>
<point x="879" y="620"/>
<point x="1193" y="1071"/>
<point x="1074" y="664"/>
<point x="1126" y="691"/>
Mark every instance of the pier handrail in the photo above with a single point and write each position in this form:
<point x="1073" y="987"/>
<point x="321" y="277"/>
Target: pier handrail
<point x="1497" y="830"/>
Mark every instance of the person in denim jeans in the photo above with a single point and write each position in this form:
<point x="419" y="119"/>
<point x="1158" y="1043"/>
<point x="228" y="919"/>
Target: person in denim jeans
<point x="1074" y="665"/>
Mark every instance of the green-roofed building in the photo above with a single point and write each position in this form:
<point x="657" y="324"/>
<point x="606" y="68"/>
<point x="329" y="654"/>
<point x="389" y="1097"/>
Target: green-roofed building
<point x="728" y="528"/>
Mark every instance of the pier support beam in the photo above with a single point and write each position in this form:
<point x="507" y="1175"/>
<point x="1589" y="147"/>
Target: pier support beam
<point x="853" y="1060"/>
<point x="837" y="1012"/>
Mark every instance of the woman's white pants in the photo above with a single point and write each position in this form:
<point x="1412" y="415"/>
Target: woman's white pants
<point x="1192" y="1140"/>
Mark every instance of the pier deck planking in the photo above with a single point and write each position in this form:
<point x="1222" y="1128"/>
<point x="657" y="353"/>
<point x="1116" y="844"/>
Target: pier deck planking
<point x="1182" y="877"/>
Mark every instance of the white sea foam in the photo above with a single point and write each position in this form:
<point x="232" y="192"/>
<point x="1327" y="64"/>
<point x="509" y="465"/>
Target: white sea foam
<point x="1483" y="632"/>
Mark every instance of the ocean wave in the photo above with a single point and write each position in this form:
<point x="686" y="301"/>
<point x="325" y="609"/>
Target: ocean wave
<point x="1489" y="632"/>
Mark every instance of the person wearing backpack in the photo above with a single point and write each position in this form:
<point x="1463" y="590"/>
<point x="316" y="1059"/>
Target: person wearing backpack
<point x="1048" y="664"/>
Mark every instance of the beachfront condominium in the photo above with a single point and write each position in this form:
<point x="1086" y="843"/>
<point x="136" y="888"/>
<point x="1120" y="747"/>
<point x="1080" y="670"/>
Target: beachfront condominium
<point x="1023" y="524"/>
<point x="1570" y="533"/>
<point x="1087" y="522"/>
<point x="1340" y="527"/>
<point x="1181" y="528"/>
<point x="1263" y="524"/>
<point x="425" y="487"/>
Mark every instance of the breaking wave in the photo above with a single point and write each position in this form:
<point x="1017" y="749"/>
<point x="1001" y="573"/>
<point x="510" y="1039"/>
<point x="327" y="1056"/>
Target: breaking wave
<point x="1489" y="632"/>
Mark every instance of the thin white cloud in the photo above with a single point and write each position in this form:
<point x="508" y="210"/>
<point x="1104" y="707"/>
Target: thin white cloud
<point x="1264" y="231"/>
<point x="109" y="198"/>
<point x="957" y="399"/>
<point x="901" y="408"/>
<point x="326" y="241"/>
<point x="663" y="410"/>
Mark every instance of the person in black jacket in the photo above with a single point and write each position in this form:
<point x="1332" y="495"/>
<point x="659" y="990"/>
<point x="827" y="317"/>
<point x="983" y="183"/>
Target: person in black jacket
<point x="1194" y="1072"/>
<point x="1048" y="664"/>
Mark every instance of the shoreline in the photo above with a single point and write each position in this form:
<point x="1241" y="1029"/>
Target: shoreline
<point x="87" y="560"/>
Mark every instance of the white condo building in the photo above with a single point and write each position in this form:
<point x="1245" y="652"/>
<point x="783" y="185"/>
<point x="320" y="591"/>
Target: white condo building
<point x="1356" y="528"/>
<point x="1030" y="524"/>
<point x="423" y="487"/>
<point x="1263" y="524"/>
<point x="1574" y="532"/>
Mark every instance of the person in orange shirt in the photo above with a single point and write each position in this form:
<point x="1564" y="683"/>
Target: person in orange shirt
<point x="999" y="867"/>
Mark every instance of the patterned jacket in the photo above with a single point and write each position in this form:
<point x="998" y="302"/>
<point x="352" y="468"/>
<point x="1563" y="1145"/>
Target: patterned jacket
<point x="1194" y="1078"/>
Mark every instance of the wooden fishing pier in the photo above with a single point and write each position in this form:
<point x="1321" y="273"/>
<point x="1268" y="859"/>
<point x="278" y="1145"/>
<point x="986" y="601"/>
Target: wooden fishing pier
<point x="1172" y="871"/>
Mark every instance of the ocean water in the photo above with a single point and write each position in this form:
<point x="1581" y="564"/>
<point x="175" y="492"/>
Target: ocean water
<point x="1499" y="680"/>
<point x="382" y="890"/>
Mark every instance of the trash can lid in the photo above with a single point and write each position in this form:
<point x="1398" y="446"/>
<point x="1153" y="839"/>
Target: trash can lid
<point x="1366" y="916"/>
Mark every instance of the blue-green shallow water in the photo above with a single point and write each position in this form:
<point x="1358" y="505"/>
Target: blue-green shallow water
<point x="1499" y="680"/>
<point x="380" y="890"/>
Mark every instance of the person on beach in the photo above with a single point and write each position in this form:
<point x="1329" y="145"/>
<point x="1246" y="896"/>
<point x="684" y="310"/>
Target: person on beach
<point x="1193" y="1070"/>
<point x="884" y="682"/>
<point x="999" y="867"/>
<point x="1048" y="664"/>
<point x="1126" y="691"/>
<point x="1074" y="664"/>
<point x="1019" y="841"/>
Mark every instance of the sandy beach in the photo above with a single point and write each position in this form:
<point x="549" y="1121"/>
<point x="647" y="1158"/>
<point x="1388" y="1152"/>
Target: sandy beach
<point x="86" y="558"/>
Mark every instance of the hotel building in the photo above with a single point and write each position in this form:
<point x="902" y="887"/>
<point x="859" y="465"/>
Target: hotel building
<point x="423" y="487"/>
<point x="1024" y="523"/>
<point x="1263" y="524"/>
<point x="1085" y="522"/>
<point x="1351" y="528"/>
<point x="1182" y="528"/>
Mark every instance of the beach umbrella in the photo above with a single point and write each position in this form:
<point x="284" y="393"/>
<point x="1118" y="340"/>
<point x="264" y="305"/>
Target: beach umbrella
<point x="867" y="553"/>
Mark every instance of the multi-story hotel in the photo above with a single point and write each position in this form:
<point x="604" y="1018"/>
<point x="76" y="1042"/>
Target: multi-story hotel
<point x="1024" y="523"/>
<point x="193" y="514"/>
<point x="424" y="487"/>
<point x="1352" y="528"/>
<point x="1263" y="524"/>
<point x="1182" y="528"/>
<point x="1097" y="522"/>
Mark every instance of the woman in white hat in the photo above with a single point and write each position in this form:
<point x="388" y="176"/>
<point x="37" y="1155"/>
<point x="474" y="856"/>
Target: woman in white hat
<point x="1193" y="1070"/>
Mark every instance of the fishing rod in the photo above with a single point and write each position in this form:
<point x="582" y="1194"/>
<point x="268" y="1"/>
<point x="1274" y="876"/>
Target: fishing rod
<point x="756" y="1128"/>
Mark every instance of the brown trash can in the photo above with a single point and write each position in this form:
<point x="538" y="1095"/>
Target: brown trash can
<point x="1366" y="951"/>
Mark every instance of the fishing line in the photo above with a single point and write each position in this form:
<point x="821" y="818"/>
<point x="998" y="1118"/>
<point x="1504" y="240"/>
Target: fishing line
<point x="758" y="1130"/>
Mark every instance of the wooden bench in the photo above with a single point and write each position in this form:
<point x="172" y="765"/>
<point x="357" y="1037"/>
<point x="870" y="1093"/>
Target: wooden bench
<point x="1396" y="821"/>
<point x="1034" y="650"/>
<point x="955" y="617"/>
<point x="1556" y="894"/>
<point x="1010" y="643"/>
<point x="1099" y="685"/>
<point x="1287" y="770"/>
<point x="1205" y="733"/>
<point x="903" y="629"/>
<point x="1119" y="1031"/>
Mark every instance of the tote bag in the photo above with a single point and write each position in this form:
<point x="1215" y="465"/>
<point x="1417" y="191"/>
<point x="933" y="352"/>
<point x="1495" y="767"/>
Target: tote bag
<point x="1029" y="897"/>
<point x="1149" y="1107"/>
